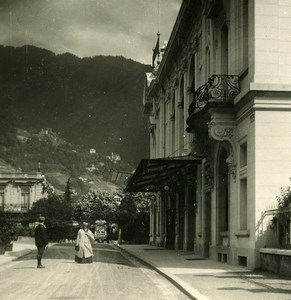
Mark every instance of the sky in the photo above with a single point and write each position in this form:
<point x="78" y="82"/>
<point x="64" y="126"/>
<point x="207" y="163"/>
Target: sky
<point x="89" y="27"/>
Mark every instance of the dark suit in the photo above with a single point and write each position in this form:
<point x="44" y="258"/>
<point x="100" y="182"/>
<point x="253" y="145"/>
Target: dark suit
<point x="40" y="241"/>
<point x="40" y="236"/>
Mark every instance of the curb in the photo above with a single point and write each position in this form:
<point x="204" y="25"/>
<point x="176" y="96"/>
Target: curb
<point x="168" y="277"/>
<point x="22" y="254"/>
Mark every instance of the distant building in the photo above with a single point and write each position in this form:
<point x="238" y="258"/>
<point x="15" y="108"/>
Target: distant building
<point x="18" y="191"/>
<point x="91" y="168"/>
<point x="46" y="131"/>
<point x="114" y="157"/>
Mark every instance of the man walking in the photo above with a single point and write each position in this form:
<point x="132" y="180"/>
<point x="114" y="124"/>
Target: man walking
<point x="40" y="240"/>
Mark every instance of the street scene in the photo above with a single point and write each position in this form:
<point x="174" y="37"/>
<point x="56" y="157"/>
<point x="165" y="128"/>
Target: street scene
<point x="130" y="272"/>
<point x="145" y="149"/>
<point x="113" y="275"/>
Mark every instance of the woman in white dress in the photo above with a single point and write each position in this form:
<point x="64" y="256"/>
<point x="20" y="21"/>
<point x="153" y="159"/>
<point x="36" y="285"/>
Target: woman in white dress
<point x="84" y="251"/>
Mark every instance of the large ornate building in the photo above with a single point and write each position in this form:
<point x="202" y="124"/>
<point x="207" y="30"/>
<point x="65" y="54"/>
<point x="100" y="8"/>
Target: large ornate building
<point x="18" y="191"/>
<point x="219" y="105"/>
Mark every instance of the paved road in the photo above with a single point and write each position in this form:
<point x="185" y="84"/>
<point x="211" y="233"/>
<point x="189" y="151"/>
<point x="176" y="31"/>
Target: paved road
<point x="113" y="275"/>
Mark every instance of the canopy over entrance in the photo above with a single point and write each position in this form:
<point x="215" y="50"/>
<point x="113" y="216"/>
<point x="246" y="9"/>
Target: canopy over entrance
<point x="152" y="175"/>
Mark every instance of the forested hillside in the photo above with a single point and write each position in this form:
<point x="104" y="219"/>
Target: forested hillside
<point x="94" y="102"/>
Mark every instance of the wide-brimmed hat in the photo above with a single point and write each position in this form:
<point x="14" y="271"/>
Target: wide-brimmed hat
<point x="85" y="224"/>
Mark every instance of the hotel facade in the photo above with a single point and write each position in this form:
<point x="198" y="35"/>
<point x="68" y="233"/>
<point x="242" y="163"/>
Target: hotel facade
<point x="219" y="106"/>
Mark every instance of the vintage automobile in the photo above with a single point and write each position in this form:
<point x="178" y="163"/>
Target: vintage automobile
<point x="100" y="231"/>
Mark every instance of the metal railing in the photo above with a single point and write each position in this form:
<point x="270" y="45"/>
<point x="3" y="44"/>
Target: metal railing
<point x="218" y="87"/>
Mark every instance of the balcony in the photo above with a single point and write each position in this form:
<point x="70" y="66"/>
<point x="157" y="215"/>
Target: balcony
<point x="219" y="88"/>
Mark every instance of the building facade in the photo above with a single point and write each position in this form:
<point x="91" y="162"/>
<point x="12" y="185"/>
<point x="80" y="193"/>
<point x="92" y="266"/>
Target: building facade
<point x="18" y="191"/>
<point x="220" y="101"/>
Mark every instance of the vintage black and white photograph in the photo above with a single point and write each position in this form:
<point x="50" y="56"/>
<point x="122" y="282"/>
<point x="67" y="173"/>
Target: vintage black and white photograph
<point x="145" y="149"/>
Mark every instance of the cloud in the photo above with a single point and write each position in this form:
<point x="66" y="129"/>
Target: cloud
<point x="88" y="27"/>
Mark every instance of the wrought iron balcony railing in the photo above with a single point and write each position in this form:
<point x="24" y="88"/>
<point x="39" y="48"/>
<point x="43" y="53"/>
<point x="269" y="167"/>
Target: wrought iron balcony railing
<point x="218" y="87"/>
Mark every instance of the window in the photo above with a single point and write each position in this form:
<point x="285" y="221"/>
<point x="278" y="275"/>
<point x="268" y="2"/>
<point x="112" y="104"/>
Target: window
<point x="25" y="198"/>
<point x="224" y="49"/>
<point x="1" y="199"/>
<point x="243" y="204"/>
<point x="243" y="155"/>
<point x="243" y="199"/>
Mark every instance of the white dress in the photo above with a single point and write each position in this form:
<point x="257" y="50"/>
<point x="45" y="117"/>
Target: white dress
<point x="85" y="252"/>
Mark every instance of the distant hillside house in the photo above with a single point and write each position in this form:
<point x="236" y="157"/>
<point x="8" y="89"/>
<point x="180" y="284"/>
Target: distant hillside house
<point x="114" y="157"/>
<point x="92" y="151"/>
<point x="46" y="131"/>
<point x="18" y="191"/>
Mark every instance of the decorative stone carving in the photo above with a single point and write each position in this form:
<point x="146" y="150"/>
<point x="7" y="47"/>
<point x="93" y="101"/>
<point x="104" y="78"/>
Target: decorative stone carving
<point x="231" y="166"/>
<point x="152" y="128"/>
<point x="189" y="91"/>
<point x="208" y="177"/>
<point x="252" y="118"/>
<point x="223" y="131"/>
<point x="193" y="45"/>
<point x="180" y="104"/>
<point x="219" y="132"/>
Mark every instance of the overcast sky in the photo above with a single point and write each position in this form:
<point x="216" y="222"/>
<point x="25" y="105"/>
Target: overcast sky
<point x="89" y="27"/>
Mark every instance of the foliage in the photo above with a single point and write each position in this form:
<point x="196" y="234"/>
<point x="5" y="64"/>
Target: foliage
<point x="58" y="214"/>
<point x="133" y="217"/>
<point x="281" y="221"/>
<point x="8" y="231"/>
<point x="25" y="231"/>
<point x="47" y="188"/>
<point x="126" y="217"/>
<point x="68" y="192"/>
<point x="96" y="206"/>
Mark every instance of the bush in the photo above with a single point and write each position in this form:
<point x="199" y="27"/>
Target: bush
<point x="25" y="231"/>
<point x="8" y="231"/>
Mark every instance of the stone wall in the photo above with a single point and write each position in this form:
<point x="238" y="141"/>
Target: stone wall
<point x="276" y="260"/>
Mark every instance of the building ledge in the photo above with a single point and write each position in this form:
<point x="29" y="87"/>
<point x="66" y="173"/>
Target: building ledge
<point x="224" y="233"/>
<point x="243" y="233"/>
<point x="274" y="251"/>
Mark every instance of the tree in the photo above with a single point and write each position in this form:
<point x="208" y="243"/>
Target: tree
<point x="126" y="216"/>
<point x="67" y="199"/>
<point x="281" y="221"/>
<point x="68" y="192"/>
<point x="96" y="206"/>
<point x="58" y="216"/>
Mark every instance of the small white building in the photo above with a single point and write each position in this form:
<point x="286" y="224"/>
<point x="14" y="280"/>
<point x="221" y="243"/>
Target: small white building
<point x="92" y="151"/>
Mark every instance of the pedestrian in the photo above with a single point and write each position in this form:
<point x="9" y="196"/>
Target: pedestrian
<point x="84" y="251"/>
<point x="40" y="240"/>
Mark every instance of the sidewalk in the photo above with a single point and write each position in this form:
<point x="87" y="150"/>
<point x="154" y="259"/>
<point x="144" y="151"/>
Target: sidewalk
<point x="21" y="247"/>
<point x="203" y="279"/>
<point x="195" y="276"/>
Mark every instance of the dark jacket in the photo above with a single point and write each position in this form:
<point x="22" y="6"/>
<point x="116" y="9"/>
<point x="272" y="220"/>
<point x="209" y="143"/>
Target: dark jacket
<point x="40" y="236"/>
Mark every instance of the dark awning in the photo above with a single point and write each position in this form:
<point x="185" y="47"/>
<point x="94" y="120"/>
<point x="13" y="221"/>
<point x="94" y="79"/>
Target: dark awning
<point x="151" y="175"/>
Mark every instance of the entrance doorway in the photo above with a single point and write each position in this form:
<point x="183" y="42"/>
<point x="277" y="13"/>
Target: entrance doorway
<point x="207" y="228"/>
<point x="223" y="197"/>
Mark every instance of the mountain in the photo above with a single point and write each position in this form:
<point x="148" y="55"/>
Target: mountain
<point x="95" y="102"/>
<point x="59" y="160"/>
